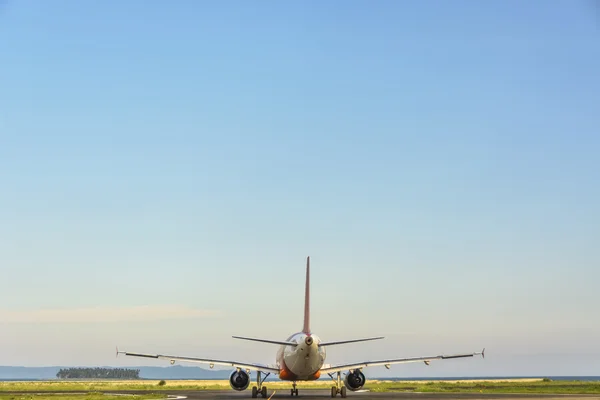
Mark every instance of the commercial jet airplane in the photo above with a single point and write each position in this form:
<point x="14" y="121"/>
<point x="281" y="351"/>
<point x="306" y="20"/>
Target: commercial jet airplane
<point x="301" y="357"/>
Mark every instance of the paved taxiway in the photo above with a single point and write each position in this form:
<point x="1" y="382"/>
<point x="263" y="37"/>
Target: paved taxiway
<point x="309" y="394"/>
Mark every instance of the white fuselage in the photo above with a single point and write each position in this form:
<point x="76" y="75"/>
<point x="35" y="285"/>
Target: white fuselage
<point x="301" y="362"/>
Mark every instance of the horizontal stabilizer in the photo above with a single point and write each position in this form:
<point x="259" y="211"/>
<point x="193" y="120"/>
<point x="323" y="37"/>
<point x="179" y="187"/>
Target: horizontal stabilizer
<point x="348" y="341"/>
<point x="279" y="342"/>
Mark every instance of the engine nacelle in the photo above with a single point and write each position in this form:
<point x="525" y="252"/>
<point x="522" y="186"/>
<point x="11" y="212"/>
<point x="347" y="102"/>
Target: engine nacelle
<point x="355" y="380"/>
<point x="239" y="380"/>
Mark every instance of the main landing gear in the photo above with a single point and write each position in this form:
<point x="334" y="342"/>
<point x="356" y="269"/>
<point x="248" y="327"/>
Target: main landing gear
<point x="259" y="388"/>
<point x="339" y="387"/>
<point x="294" y="390"/>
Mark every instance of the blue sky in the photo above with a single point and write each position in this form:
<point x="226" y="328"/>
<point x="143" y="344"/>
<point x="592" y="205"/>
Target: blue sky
<point x="437" y="160"/>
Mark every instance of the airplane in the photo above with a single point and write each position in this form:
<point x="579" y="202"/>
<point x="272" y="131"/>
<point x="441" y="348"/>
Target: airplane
<point x="301" y="357"/>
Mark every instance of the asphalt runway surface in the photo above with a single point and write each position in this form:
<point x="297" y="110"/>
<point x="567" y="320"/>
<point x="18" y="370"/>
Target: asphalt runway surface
<point x="309" y="394"/>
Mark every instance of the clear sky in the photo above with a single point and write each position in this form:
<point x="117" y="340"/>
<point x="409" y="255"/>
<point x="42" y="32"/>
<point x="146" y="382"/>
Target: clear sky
<point x="166" y="167"/>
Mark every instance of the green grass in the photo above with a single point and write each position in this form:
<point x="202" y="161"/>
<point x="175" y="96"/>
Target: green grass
<point x="100" y="386"/>
<point x="97" y="387"/>
<point x="89" y="396"/>
<point x="557" y="387"/>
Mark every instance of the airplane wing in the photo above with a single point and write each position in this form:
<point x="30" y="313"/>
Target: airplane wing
<point x="172" y="359"/>
<point x="387" y="363"/>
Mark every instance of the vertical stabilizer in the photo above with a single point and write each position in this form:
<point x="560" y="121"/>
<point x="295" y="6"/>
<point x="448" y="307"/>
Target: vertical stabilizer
<point x="306" y="328"/>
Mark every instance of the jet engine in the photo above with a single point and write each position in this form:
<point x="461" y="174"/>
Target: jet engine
<point x="239" y="380"/>
<point x="355" y="380"/>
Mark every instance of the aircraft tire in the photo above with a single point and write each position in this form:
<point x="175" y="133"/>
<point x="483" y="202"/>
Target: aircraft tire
<point x="343" y="392"/>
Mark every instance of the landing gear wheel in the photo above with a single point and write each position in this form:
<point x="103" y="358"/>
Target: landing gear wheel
<point x="343" y="392"/>
<point x="333" y="391"/>
<point x="254" y="392"/>
<point x="296" y="392"/>
<point x="263" y="392"/>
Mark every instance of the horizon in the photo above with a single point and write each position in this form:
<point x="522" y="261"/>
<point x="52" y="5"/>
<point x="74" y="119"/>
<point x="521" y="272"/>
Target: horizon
<point x="166" y="169"/>
<point x="223" y="371"/>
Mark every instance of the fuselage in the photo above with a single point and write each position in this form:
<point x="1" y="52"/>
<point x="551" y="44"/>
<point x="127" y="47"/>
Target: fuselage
<point x="303" y="361"/>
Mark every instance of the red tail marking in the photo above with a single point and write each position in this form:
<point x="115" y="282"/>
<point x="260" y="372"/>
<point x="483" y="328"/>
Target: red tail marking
<point x="306" y="328"/>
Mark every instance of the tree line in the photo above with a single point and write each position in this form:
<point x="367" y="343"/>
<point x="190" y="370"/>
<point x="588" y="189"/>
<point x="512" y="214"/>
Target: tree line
<point x="98" y="373"/>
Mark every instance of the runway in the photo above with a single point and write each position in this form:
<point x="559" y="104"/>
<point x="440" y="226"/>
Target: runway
<point x="310" y="394"/>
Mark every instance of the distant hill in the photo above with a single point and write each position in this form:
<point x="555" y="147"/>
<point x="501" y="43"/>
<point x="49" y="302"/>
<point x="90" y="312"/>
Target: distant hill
<point x="170" y="372"/>
<point x="181" y="372"/>
<point x="15" y="373"/>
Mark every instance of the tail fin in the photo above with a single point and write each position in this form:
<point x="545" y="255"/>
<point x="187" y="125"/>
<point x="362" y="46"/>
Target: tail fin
<point x="306" y="328"/>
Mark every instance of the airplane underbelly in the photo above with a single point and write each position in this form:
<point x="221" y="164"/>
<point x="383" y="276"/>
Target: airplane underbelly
<point x="303" y="367"/>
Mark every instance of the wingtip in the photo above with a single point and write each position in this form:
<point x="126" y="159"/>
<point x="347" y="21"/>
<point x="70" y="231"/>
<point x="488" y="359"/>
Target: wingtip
<point x="119" y="351"/>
